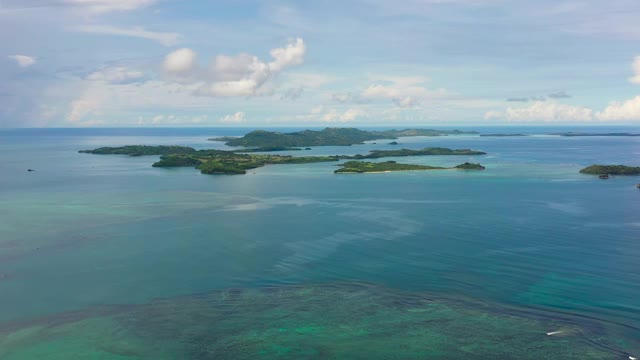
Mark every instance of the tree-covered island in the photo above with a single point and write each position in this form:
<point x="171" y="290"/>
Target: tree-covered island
<point x="611" y="170"/>
<point x="211" y="161"/>
<point x="327" y="137"/>
<point x="376" y="154"/>
<point x="360" y="167"/>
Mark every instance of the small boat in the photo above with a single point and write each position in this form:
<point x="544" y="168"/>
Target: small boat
<point x="604" y="176"/>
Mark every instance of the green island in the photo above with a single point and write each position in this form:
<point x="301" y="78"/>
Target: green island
<point x="360" y="167"/>
<point x="139" y="150"/>
<point x="570" y="133"/>
<point x="269" y="149"/>
<point x="376" y="154"/>
<point x="327" y="137"/>
<point x="232" y="163"/>
<point x="212" y="161"/>
<point x="611" y="170"/>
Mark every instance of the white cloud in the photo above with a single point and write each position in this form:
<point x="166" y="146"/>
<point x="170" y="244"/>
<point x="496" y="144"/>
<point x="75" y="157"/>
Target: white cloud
<point x="349" y="115"/>
<point x="180" y="62"/>
<point x="292" y="54"/>
<point x="80" y="108"/>
<point x="103" y="6"/>
<point x="233" y="118"/>
<point x="115" y="75"/>
<point x="552" y="111"/>
<point x="23" y="60"/>
<point x="617" y="110"/>
<point x="240" y="75"/>
<point x="403" y="91"/>
<point x="163" y="38"/>
<point x="547" y="111"/>
<point x="635" y="79"/>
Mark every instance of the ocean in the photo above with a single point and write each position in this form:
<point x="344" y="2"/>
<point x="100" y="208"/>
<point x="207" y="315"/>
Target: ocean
<point x="106" y="257"/>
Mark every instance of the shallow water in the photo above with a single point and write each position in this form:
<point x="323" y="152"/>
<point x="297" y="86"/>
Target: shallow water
<point x="529" y="233"/>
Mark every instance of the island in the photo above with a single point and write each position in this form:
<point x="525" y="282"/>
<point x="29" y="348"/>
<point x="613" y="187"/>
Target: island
<point x="269" y="149"/>
<point x="359" y="167"/>
<point x="376" y="154"/>
<point x="394" y="143"/>
<point x="570" y="133"/>
<point x="469" y="166"/>
<point x="611" y="170"/>
<point x="223" y="138"/>
<point x="327" y="137"/>
<point x="212" y="161"/>
<point x="140" y="150"/>
<point x="502" y="135"/>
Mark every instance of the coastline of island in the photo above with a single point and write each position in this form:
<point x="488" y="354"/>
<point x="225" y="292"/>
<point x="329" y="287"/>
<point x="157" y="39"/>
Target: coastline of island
<point x="361" y="167"/>
<point x="327" y="137"/>
<point x="233" y="162"/>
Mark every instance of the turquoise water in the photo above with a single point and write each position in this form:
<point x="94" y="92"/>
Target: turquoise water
<point x="529" y="234"/>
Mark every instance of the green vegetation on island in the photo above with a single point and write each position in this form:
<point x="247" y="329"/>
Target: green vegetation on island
<point x="233" y="163"/>
<point x="387" y="166"/>
<point x="611" y="170"/>
<point x="469" y="166"/>
<point x="211" y="161"/>
<point x="370" y="167"/>
<point x="327" y="137"/>
<point x="376" y="154"/>
<point x="223" y="138"/>
<point x="139" y="150"/>
<point x="570" y="133"/>
<point x="268" y="149"/>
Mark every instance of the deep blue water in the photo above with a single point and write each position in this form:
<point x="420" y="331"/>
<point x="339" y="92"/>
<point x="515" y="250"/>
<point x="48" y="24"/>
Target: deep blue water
<point x="529" y="231"/>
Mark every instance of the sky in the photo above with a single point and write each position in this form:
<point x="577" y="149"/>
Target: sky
<point x="145" y="63"/>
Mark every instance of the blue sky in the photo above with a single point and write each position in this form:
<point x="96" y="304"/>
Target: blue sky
<point x="82" y="63"/>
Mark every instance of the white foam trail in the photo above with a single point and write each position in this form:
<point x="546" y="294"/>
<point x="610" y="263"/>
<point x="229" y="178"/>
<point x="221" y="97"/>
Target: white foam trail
<point x="632" y="358"/>
<point x="555" y="332"/>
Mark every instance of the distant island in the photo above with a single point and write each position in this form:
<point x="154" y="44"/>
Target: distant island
<point x="595" y="134"/>
<point x="211" y="161"/>
<point x="376" y="154"/>
<point x="270" y="149"/>
<point x="359" y="167"/>
<point x="611" y="170"/>
<point x="327" y="137"/>
<point x="503" y="135"/>
<point x="140" y="150"/>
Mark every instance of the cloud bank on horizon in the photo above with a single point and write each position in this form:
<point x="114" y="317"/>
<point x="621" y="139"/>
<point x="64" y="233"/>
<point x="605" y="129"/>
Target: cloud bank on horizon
<point x="294" y="63"/>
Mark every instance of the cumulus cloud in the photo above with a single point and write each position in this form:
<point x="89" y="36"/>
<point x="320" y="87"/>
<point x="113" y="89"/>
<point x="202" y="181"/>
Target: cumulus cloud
<point x="621" y="110"/>
<point x="547" y="111"/>
<point x="635" y="79"/>
<point x="180" y="62"/>
<point x="116" y="75"/>
<point x="80" y="108"/>
<point x="163" y="38"/>
<point x="227" y="76"/>
<point x="23" y="61"/>
<point x="236" y="118"/>
<point x="553" y="111"/>
<point x="333" y="115"/>
<point x="402" y="91"/>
